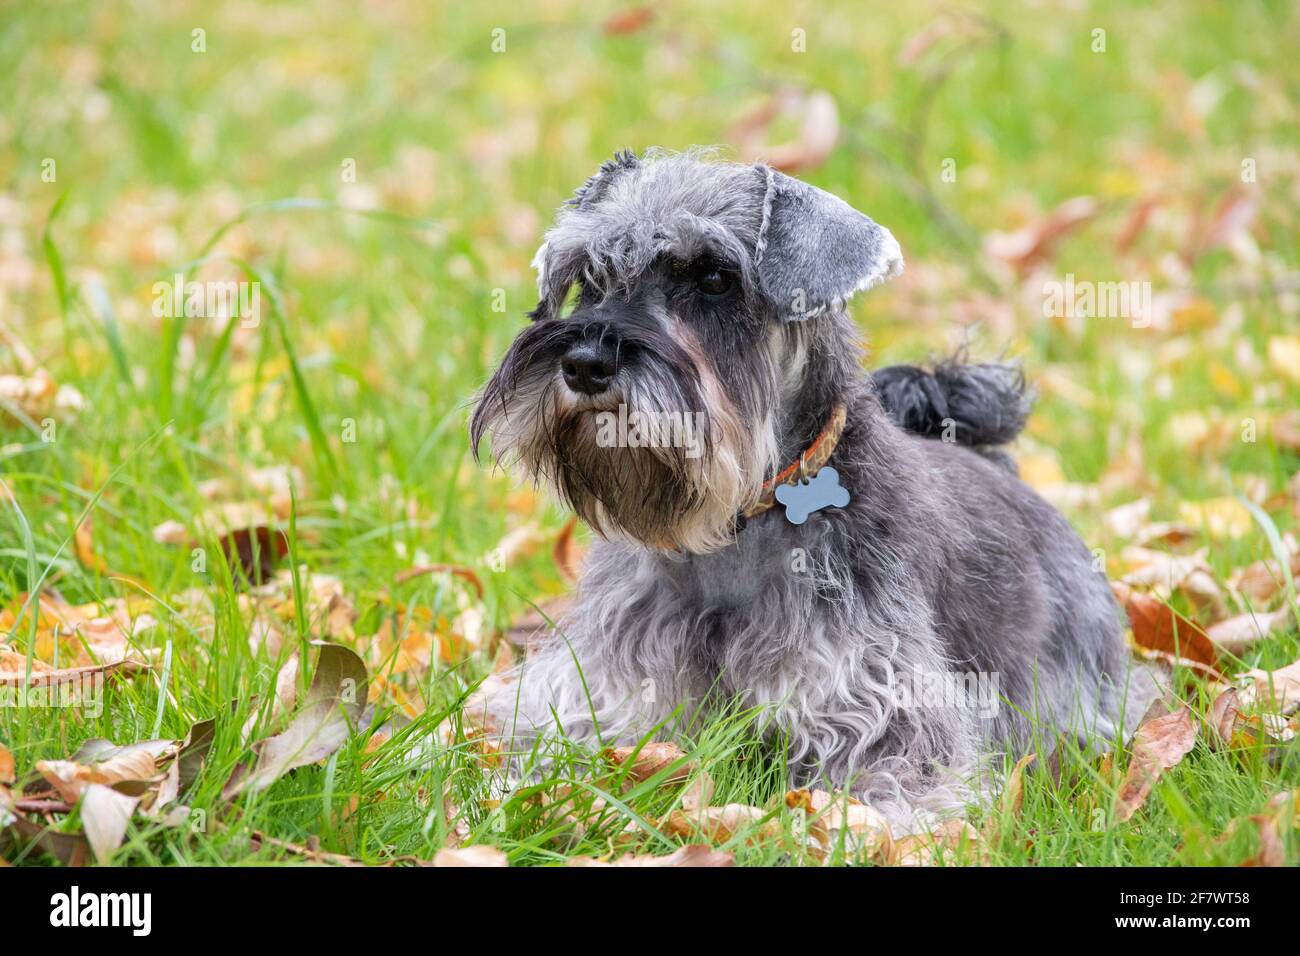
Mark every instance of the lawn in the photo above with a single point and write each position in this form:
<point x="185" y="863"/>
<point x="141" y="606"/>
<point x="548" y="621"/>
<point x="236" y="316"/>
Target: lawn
<point x="236" y="519"/>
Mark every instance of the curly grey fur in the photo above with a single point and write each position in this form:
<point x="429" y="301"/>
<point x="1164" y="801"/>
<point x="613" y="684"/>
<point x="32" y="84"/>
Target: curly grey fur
<point x="941" y="564"/>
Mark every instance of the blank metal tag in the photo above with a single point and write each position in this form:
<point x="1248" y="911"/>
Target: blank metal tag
<point x="822" y="490"/>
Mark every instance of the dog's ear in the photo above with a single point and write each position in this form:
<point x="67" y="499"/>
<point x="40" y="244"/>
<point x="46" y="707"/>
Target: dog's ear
<point x="553" y="288"/>
<point x="815" y="250"/>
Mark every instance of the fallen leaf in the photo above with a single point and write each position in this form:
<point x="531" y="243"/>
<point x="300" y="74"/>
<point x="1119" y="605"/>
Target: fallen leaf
<point x="1037" y="241"/>
<point x="923" y="849"/>
<point x="38" y="396"/>
<point x="625" y="22"/>
<point x="1127" y="520"/>
<point x="1163" y="574"/>
<point x="695" y="854"/>
<point x="568" y="552"/>
<point x="1219" y="518"/>
<point x="517" y="545"/>
<point x="644" y="761"/>
<point x="6" y="765"/>
<point x="1264" y="580"/>
<point x="817" y="136"/>
<point x="840" y="820"/>
<point x="83" y="546"/>
<point x="720" y="824"/>
<point x="478" y="855"/>
<point x="1221" y="721"/>
<point x="1236" y="634"/>
<point x="330" y="711"/>
<point x="1159" y="627"/>
<point x="78" y="679"/>
<point x="1159" y="744"/>
<point x="255" y="551"/>
<point x="455" y="570"/>
<point x="1277" y="690"/>
<point x="1230" y="220"/>
<point x="69" y="848"/>
<point x="105" y="814"/>
<point x="1013" y="798"/>
<point x="133" y="763"/>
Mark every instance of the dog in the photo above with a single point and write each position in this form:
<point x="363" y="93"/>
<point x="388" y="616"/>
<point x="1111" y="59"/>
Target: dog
<point x="852" y="556"/>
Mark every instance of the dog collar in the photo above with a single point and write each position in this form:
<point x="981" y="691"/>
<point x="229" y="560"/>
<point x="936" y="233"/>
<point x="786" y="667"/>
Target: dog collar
<point x="790" y="486"/>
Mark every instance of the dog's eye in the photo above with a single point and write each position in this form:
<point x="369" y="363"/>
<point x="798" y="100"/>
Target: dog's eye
<point x="714" y="282"/>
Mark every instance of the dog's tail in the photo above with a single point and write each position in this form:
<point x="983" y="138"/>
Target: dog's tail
<point x="977" y="405"/>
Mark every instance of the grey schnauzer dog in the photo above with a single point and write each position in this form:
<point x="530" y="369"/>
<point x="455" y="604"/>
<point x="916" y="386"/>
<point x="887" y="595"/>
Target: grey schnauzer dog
<point x="678" y="289"/>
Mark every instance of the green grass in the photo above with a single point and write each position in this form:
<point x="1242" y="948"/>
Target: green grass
<point x="381" y="323"/>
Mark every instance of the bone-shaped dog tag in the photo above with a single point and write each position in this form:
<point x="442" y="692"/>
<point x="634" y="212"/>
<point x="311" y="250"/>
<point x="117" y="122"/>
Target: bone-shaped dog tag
<point x="822" y="490"/>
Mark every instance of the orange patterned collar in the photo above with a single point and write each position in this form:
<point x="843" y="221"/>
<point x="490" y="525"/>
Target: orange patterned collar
<point x="807" y="464"/>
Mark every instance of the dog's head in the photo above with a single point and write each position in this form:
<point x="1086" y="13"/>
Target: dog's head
<point x="684" y="306"/>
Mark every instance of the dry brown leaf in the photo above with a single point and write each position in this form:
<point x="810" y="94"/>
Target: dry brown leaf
<point x="330" y="711"/>
<point x="1264" y="580"/>
<point x="568" y="552"/>
<point x="695" y="854"/>
<point x="7" y="767"/>
<point x="12" y="672"/>
<point x="650" y="759"/>
<point x="1285" y="429"/>
<point x="102" y="762"/>
<point x="1013" y="798"/>
<point x="1277" y="690"/>
<point x="1279" y="815"/>
<point x="1236" y="634"/>
<point x="83" y="546"/>
<point x="1158" y="627"/>
<point x="720" y="824"/>
<point x="455" y="570"/>
<point x="1162" y="574"/>
<point x="1221" y="721"/>
<point x="631" y="20"/>
<point x="518" y="544"/>
<point x="1136" y="221"/>
<point x="1158" y="745"/>
<point x="38" y="396"/>
<point x="923" y="849"/>
<point x="840" y="820"/>
<point x="1126" y="521"/>
<point x="1037" y="241"/>
<point x="105" y="814"/>
<point x="817" y="136"/>
<point x="478" y="855"/>
<point x="1230" y="220"/>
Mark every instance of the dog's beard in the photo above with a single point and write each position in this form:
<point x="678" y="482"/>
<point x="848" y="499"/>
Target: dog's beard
<point x="681" y="489"/>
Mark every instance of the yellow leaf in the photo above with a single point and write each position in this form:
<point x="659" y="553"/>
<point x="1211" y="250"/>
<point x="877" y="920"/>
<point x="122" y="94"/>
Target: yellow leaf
<point x="1218" y="517"/>
<point x="1223" y="381"/>
<point x="1284" y="356"/>
<point x="1040" y="471"/>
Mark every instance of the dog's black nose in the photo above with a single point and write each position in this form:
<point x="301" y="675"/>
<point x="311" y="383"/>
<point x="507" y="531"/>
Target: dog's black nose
<point x="589" y="367"/>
